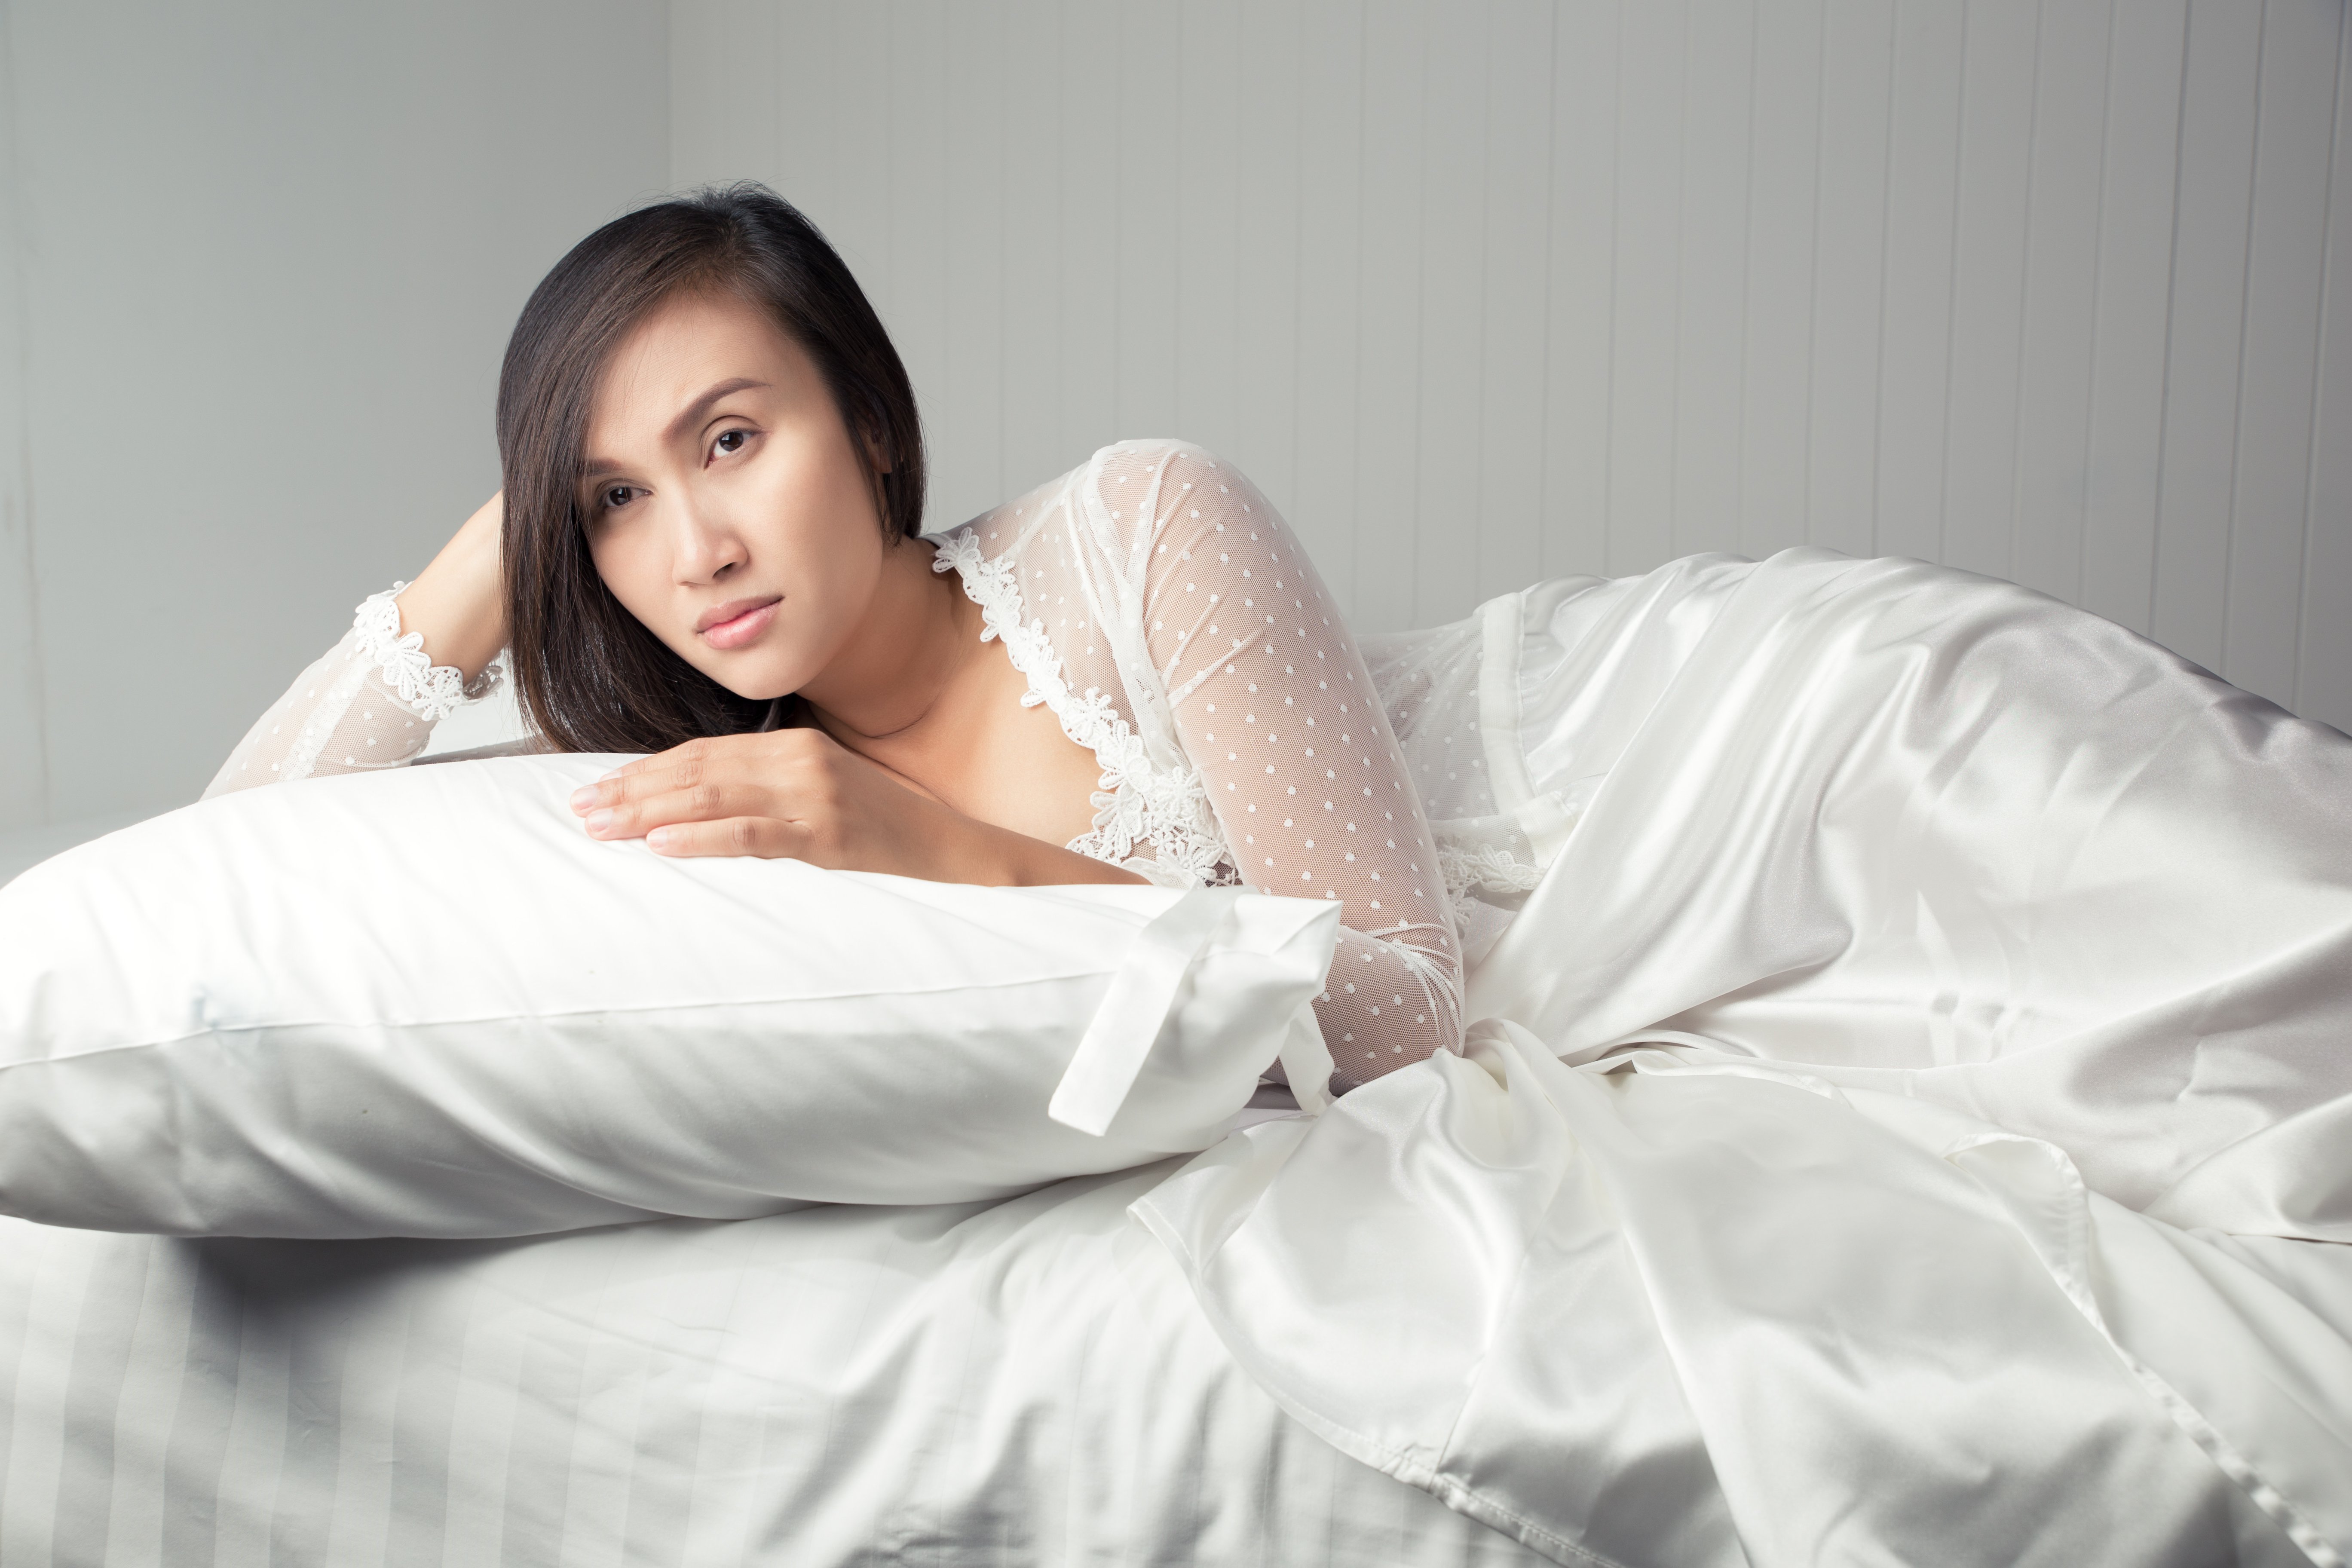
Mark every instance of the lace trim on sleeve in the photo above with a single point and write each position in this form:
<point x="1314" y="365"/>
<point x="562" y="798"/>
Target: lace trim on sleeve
<point x="1138" y="803"/>
<point x="1467" y="868"/>
<point x="432" y="691"/>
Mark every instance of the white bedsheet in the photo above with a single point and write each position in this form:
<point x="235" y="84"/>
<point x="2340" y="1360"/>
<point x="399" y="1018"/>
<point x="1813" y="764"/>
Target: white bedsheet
<point x="1026" y="1382"/>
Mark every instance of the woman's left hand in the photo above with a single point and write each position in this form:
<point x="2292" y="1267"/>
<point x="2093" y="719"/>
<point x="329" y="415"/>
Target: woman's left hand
<point x="800" y="793"/>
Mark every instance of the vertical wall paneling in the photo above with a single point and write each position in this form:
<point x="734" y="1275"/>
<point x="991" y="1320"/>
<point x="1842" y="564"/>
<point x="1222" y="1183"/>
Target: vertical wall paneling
<point x="1988" y="282"/>
<point x="1330" y="290"/>
<point x="24" y="761"/>
<point x="1785" y="182"/>
<point x="1205" y="226"/>
<point x="1087" y="85"/>
<point x="2209" y="305"/>
<point x="2132" y="307"/>
<point x="1448" y="422"/>
<point x="919" y="236"/>
<point x="974" y="259"/>
<point x="1022" y="107"/>
<point x="848" y="67"/>
<point x="1848" y="273"/>
<point x="2052" y="404"/>
<point x="2324" y="662"/>
<point x="1644" y="323"/>
<point x="1513" y="295"/>
<point x="2285" y="241"/>
<point x="1150" y="73"/>
<point x="1485" y="290"/>
<point x="1583" y="257"/>
<point x="806" y="162"/>
<point x="726" y="98"/>
<point x="1267" y="161"/>
<point x="1914" y="351"/>
<point x="358" y="200"/>
<point x="1389" y="335"/>
<point x="1719" y="82"/>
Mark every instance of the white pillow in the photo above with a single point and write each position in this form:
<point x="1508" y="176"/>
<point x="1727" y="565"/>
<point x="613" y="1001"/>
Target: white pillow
<point x="423" y="1003"/>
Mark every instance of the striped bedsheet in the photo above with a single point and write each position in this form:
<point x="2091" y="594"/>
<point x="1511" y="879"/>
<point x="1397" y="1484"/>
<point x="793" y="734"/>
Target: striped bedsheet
<point x="1024" y="1382"/>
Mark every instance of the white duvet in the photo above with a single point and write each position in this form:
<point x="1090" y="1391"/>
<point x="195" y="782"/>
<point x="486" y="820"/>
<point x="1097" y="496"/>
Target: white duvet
<point x="1913" y="1123"/>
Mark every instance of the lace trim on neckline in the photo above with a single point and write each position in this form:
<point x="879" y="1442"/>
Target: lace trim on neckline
<point x="1137" y="802"/>
<point x="432" y="691"/>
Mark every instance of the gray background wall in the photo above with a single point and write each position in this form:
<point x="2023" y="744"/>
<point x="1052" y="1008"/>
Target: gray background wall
<point x="257" y="264"/>
<point x="2057" y="290"/>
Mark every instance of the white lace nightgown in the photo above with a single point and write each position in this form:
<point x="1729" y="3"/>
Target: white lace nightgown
<point x="1165" y="614"/>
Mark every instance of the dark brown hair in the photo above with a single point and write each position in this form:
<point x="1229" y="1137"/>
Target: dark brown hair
<point x="591" y="675"/>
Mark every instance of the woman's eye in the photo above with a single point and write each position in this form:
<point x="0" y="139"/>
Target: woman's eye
<point x="615" y="496"/>
<point x="731" y="441"/>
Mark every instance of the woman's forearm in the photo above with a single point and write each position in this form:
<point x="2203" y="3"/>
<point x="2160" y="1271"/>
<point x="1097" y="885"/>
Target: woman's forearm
<point x="457" y="603"/>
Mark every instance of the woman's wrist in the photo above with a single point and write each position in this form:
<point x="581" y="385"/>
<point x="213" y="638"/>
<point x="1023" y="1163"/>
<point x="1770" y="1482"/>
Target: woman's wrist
<point x="457" y="603"/>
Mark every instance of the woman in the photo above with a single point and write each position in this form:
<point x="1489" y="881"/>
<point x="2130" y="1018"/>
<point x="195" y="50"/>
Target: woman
<point x="709" y="548"/>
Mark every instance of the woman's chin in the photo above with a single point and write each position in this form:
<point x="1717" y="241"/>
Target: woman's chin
<point x="757" y="679"/>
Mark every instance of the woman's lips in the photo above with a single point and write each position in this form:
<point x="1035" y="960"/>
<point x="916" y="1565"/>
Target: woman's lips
<point x="744" y="626"/>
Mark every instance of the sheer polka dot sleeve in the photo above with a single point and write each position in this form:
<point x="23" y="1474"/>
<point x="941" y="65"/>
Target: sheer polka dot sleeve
<point x="1276" y="708"/>
<point x="369" y="702"/>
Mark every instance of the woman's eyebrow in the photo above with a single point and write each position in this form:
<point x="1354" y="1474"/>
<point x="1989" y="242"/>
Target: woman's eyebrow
<point x="687" y="418"/>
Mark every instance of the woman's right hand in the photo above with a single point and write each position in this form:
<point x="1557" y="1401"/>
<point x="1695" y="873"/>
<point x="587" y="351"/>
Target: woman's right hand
<point x="458" y="602"/>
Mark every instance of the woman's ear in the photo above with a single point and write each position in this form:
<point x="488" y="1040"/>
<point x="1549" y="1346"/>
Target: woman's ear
<point x="877" y="469"/>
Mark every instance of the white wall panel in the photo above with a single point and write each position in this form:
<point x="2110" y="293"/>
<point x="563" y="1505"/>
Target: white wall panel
<point x="2140" y="156"/>
<point x="2055" y="289"/>
<point x="1644" y="227"/>
<point x="2206" y="336"/>
<point x="1578" y="320"/>
<point x="1330" y="197"/>
<point x="1849" y="274"/>
<point x="2286" y="256"/>
<point x="1997" y="102"/>
<point x="2052" y="397"/>
<point x="24" y="739"/>
<point x="2324" y="656"/>
<point x="1392" y="252"/>
<point x="1266" y="154"/>
<point x="1710" y="275"/>
<point x="1778" y="299"/>
<point x="1448" y="423"/>
<point x="265" y="257"/>
<point x="1512" y="296"/>
<point x="1915" y="354"/>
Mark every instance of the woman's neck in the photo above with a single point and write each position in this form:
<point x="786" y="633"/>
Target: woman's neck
<point x="916" y="635"/>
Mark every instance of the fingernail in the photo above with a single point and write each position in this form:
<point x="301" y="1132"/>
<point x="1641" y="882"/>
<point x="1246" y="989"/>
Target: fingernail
<point x="658" y="839"/>
<point x="583" y="798"/>
<point x="602" y="778"/>
<point x="599" y="820"/>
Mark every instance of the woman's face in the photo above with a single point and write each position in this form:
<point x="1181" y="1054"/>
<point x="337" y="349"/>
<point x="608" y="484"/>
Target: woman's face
<point x="728" y="507"/>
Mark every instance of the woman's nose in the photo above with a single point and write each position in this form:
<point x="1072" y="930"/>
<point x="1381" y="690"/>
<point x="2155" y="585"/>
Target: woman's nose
<point x="704" y="548"/>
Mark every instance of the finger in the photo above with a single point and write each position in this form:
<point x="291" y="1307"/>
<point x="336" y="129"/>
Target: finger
<point x="767" y="837"/>
<point x="679" y="768"/>
<point x="705" y="802"/>
<point x="656" y="760"/>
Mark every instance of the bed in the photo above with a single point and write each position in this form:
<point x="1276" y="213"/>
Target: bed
<point x="1906" y="1122"/>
